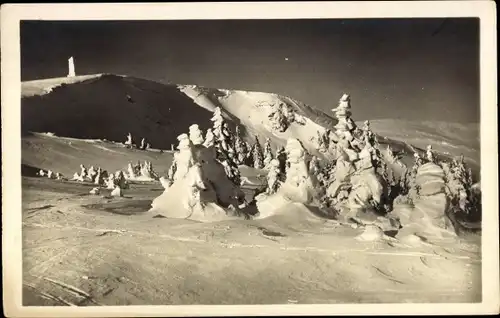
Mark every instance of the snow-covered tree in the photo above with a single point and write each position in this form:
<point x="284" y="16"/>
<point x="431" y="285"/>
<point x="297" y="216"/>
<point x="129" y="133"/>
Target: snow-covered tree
<point x="327" y="174"/>
<point x="110" y="181"/>
<point x="232" y="171"/>
<point x="222" y="135"/>
<point x="143" y="144"/>
<point x="326" y="138"/>
<point x="273" y="177"/>
<point x="321" y="142"/>
<point x="343" y="114"/>
<point x="209" y="138"/>
<point x="281" y="157"/>
<point x="99" y="179"/>
<point x="279" y="121"/>
<point x="258" y="156"/>
<point x="148" y="172"/>
<point x="314" y="166"/>
<point x="195" y="134"/>
<point x="429" y="154"/>
<point x="249" y="157"/>
<point x="83" y="172"/>
<point x="184" y="159"/>
<point x="91" y="174"/>
<point x="268" y="152"/>
<point x="240" y="147"/>
<point x="299" y="183"/>
<point x="120" y="180"/>
<point x="129" y="141"/>
<point x="131" y="171"/>
<point x="288" y="112"/>
<point x="409" y="181"/>
<point x="460" y="185"/>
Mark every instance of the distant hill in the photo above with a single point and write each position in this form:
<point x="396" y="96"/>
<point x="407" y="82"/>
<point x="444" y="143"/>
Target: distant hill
<point x="109" y="107"/>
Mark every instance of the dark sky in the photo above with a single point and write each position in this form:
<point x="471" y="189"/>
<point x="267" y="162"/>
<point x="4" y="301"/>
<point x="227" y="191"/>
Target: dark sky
<point x="418" y="69"/>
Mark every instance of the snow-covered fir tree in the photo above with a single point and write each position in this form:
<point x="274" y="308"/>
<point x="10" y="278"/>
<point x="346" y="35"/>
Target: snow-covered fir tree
<point x="281" y="117"/>
<point x="321" y="141"/>
<point x="429" y="154"/>
<point x="209" y="138"/>
<point x="258" y="156"/>
<point x="327" y="174"/>
<point x="274" y="177"/>
<point x="278" y="120"/>
<point x="222" y="136"/>
<point x="460" y="184"/>
<point x="281" y="157"/>
<point x="268" y="152"/>
<point x="408" y="183"/>
<point x="314" y="166"/>
<point x="368" y="135"/>
<point x="148" y="172"/>
<point x="131" y="172"/>
<point x="195" y="134"/>
<point x="231" y="170"/>
<point x="288" y="112"/>
<point x="299" y="183"/>
<point x="240" y="147"/>
<point x="129" y="140"/>
<point x="183" y="159"/>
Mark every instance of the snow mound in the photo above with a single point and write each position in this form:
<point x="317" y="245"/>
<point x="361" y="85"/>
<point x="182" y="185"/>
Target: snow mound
<point x="290" y="214"/>
<point x="371" y="233"/>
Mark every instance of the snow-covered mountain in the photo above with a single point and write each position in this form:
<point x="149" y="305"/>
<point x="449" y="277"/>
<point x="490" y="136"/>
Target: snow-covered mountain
<point x="109" y="106"/>
<point x="106" y="106"/>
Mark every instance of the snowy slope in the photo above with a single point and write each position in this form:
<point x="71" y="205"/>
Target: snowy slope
<point x="251" y="109"/>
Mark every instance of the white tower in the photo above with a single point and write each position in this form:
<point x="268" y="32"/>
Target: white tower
<point x="71" y="67"/>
